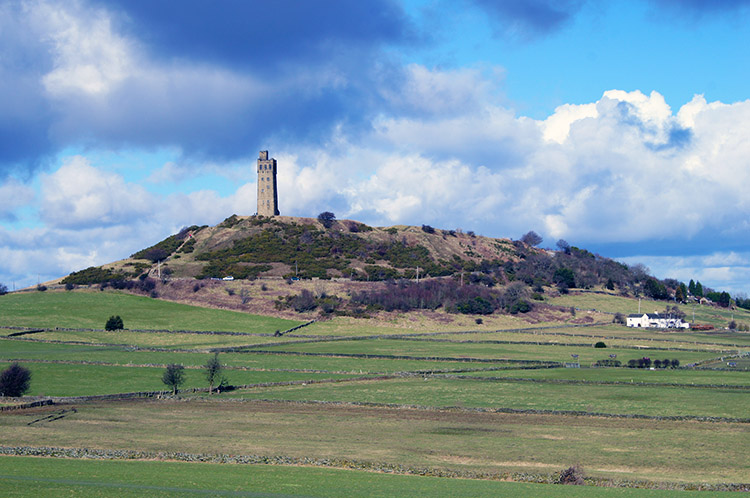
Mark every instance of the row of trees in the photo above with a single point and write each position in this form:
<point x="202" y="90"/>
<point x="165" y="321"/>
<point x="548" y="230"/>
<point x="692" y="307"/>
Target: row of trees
<point x="16" y="379"/>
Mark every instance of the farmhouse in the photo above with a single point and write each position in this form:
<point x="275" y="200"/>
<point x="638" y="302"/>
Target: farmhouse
<point x="656" y="321"/>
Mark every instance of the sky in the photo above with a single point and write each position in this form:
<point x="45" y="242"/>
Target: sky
<point x="621" y="126"/>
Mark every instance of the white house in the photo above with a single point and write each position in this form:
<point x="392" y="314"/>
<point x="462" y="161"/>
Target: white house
<point x="656" y="321"/>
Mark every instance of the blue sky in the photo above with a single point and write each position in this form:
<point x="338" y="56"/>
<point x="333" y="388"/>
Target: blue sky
<point x="618" y="126"/>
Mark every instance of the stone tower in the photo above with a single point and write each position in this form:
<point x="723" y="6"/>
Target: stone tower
<point x="268" y="197"/>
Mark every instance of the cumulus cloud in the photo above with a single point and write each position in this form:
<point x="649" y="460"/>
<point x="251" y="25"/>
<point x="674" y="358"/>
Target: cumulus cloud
<point x="604" y="172"/>
<point x="78" y="195"/>
<point x="14" y="195"/>
<point x="209" y="81"/>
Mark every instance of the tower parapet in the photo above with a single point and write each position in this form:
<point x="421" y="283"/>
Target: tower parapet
<point x="268" y="197"/>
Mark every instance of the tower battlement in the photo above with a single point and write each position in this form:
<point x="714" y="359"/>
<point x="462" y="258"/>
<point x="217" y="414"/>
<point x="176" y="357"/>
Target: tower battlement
<point x="268" y="197"/>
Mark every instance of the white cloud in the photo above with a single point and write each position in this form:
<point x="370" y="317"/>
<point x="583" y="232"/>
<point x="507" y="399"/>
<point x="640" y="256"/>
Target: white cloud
<point x="89" y="57"/>
<point x="78" y="195"/>
<point x="14" y="195"/>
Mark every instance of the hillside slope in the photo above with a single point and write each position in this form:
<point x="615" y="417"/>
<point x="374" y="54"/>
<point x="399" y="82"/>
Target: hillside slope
<point x="252" y="246"/>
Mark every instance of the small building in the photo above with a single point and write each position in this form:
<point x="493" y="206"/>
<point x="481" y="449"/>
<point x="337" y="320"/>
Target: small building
<point x="656" y="321"/>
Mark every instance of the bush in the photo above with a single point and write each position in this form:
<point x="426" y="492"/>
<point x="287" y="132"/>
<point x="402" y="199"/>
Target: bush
<point x="114" y="323"/>
<point x="41" y="288"/>
<point x="428" y="229"/>
<point x="572" y="475"/>
<point x="14" y="380"/>
<point x="600" y="344"/>
<point x="326" y="218"/>
<point x="173" y="376"/>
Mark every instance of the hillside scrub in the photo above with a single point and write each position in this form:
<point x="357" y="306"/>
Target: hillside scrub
<point x="447" y="293"/>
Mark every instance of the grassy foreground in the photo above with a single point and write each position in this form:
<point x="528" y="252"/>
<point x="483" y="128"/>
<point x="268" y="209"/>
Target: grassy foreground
<point x="24" y="477"/>
<point x="470" y="372"/>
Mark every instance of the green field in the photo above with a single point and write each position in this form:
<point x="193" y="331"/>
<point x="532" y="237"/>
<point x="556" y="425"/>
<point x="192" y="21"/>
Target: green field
<point x="615" y="399"/>
<point x="449" y="409"/>
<point x="90" y="309"/>
<point x="84" y="380"/>
<point x="33" y="477"/>
<point x="526" y="352"/>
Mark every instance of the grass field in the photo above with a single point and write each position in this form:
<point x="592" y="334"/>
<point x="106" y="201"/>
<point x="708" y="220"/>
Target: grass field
<point x="90" y="309"/>
<point x="84" y="380"/>
<point x="527" y="352"/>
<point x="23" y="477"/>
<point x="326" y="421"/>
<point x="452" y="439"/>
<point x="616" y="399"/>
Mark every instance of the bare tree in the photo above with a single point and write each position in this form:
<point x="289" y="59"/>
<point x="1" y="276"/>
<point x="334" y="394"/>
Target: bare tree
<point x="532" y="238"/>
<point x="563" y="245"/>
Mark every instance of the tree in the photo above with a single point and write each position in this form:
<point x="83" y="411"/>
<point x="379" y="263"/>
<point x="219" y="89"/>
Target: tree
<point x="532" y="238"/>
<point x="691" y="287"/>
<point x="698" y="289"/>
<point x="213" y="372"/>
<point x="655" y="289"/>
<point x="326" y="218"/>
<point x="563" y="246"/>
<point x="3" y="289"/>
<point x="114" y="323"/>
<point x="156" y="254"/>
<point x="565" y="279"/>
<point x="14" y="380"/>
<point x="610" y="285"/>
<point x="678" y="295"/>
<point x="173" y="376"/>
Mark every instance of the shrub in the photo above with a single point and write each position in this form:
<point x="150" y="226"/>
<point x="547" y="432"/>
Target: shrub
<point x="428" y="229"/>
<point x="173" y="376"/>
<point x="609" y="362"/>
<point x="600" y="344"/>
<point x="304" y="301"/>
<point x="3" y="289"/>
<point x="479" y="321"/>
<point x="326" y="218"/>
<point x="41" y="288"/>
<point x="114" y="323"/>
<point x="14" y="380"/>
<point x="521" y="306"/>
<point x="69" y="286"/>
<point x="572" y="475"/>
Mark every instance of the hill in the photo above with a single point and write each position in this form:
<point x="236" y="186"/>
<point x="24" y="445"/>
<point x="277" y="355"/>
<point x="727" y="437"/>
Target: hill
<point x="249" y="247"/>
<point x="361" y="270"/>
